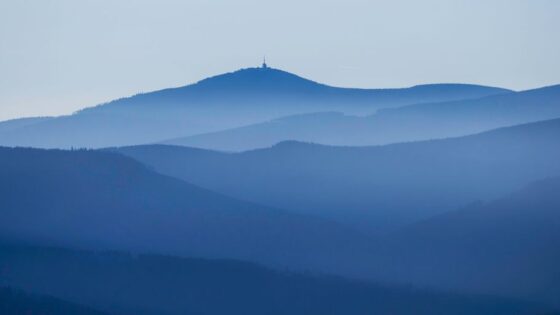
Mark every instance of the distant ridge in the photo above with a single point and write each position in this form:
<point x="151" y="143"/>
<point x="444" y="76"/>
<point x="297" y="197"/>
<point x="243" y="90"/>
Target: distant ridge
<point x="272" y="85"/>
<point x="12" y="124"/>
<point x="407" y="123"/>
<point x="230" y="100"/>
<point x="364" y="186"/>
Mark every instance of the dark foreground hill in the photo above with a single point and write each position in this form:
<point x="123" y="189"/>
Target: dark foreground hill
<point x="508" y="246"/>
<point x="16" y="302"/>
<point x="225" y="101"/>
<point x="407" y="123"/>
<point x="147" y="284"/>
<point x="103" y="200"/>
<point x="371" y="188"/>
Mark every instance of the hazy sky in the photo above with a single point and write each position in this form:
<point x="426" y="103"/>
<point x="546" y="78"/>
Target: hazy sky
<point x="59" y="56"/>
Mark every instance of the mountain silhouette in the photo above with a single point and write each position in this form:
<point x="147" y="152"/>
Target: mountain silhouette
<point x="103" y="200"/>
<point x="225" y="101"/>
<point x="323" y="127"/>
<point x="17" y="302"/>
<point x="371" y="188"/>
<point x="12" y="124"/>
<point x="151" y="284"/>
<point x="408" y="123"/>
<point x="508" y="246"/>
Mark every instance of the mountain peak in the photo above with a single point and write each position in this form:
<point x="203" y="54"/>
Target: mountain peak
<point x="263" y="77"/>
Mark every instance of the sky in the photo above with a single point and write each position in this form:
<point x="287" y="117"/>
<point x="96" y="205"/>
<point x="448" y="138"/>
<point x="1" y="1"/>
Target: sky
<point x="58" y="56"/>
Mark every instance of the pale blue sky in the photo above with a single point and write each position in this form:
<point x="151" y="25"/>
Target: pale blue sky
<point x="59" y="56"/>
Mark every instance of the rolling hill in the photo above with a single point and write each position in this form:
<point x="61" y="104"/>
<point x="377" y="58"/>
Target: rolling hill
<point x="408" y="123"/>
<point x="371" y="188"/>
<point x="16" y="302"/>
<point x="103" y="200"/>
<point x="13" y="124"/>
<point x="149" y="284"/>
<point x="225" y="101"/>
<point x="508" y="246"/>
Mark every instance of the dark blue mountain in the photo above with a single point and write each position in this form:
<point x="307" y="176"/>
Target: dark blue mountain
<point x="17" y="302"/>
<point x="508" y="246"/>
<point x="371" y="188"/>
<point x="407" y="123"/>
<point x="103" y="200"/>
<point x="501" y="243"/>
<point x="226" y="101"/>
<point x="150" y="285"/>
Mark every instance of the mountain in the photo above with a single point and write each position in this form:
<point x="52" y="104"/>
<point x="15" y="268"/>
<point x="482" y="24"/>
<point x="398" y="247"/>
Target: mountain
<point x="12" y="124"/>
<point x="150" y="284"/>
<point x="408" y="123"/>
<point x="103" y="200"/>
<point x="508" y="246"/>
<point x="322" y="127"/>
<point x="225" y="101"/>
<point x="16" y="302"/>
<point x="371" y="188"/>
<point x="458" y="118"/>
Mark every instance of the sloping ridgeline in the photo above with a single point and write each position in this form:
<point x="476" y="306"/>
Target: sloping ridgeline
<point x="103" y="200"/>
<point x="225" y="101"/>
<point x="149" y="285"/>
<point x="408" y="123"/>
<point x="373" y="189"/>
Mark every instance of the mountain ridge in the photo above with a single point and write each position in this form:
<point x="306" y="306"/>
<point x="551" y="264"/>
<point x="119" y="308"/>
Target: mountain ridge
<point x="155" y="284"/>
<point x="511" y="240"/>
<point x="99" y="199"/>
<point x="251" y="78"/>
<point x="224" y="101"/>
<point x="415" y="122"/>
<point x="489" y="163"/>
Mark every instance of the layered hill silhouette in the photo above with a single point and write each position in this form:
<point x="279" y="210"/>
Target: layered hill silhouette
<point x="241" y="193"/>
<point x="225" y="101"/>
<point x="102" y="200"/>
<point x="408" y="123"/>
<point x="17" y="302"/>
<point x="322" y="127"/>
<point x="371" y="188"/>
<point x="14" y="124"/>
<point x="509" y="246"/>
<point x="149" y="284"/>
